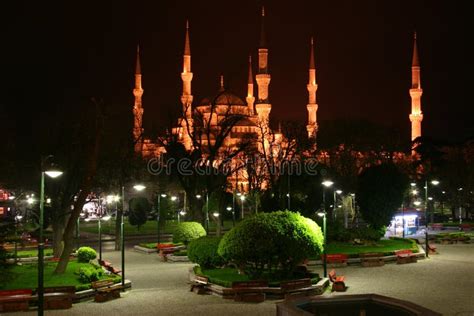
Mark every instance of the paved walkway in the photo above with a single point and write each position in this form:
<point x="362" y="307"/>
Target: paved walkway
<point x="444" y="283"/>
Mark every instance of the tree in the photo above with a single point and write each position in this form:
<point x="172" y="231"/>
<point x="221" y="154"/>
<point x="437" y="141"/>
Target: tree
<point x="380" y="193"/>
<point x="139" y="209"/>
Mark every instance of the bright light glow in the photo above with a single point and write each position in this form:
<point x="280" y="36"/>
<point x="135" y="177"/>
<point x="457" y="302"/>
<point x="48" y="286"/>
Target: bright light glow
<point x="112" y="198"/>
<point x="53" y="173"/>
<point x="30" y="200"/>
<point x="11" y="197"/>
<point x="242" y="197"/>
<point x="163" y="195"/>
<point x="288" y="195"/>
<point x="88" y="219"/>
<point x="239" y="194"/>
<point x="182" y="213"/>
<point x="198" y="196"/>
<point x="339" y="206"/>
<point x="229" y="208"/>
<point x="339" y="191"/>
<point x="435" y="182"/>
<point x="174" y="198"/>
<point x="106" y="217"/>
<point x="414" y="192"/>
<point x="417" y="203"/>
<point x="430" y="198"/>
<point x="18" y="217"/>
<point x="413" y="184"/>
<point x="48" y="200"/>
<point x="139" y="187"/>
<point x="460" y="189"/>
<point x="353" y="194"/>
<point x="327" y="183"/>
<point x="216" y="214"/>
<point x="321" y="214"/>
<point x="444" y="192"/>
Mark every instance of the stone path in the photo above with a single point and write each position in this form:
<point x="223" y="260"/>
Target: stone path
<point x="444" y="283"/>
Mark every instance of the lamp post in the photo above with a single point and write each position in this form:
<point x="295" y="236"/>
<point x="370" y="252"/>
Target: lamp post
<point x="433" y="182"/>
<point x="242" y="199"/>
<point x="326" y="184"/>
<point x="336" y="192"/>
<point x="52" y="172"/>
<point x="289" y="191"/>
<point x="323" y="215"/>
<point x="137" y="187"/>
<point x="207" y="212"/>
<point x="158" y="217"/>
<point x="103" y="218"/>
<point x="230" y="208"/>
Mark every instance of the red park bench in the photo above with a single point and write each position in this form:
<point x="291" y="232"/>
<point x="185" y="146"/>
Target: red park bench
<point x="15" y="300"/>
<point x="405" y="256"/>
<point x="199" y="283"/>
<point x="249" y="291"/>
<point x="371" y="259"/>
<point x="338" y="259"/>
<point x="338" y="282"/>
<point x="465" y="227"/>
<point x="437" y="226"/>
<point x="105" y="290"/>
<point x="108" y="266"/>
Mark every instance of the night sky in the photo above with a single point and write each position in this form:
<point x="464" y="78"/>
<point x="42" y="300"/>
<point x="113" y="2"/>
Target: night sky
<point x="54" y="56"/>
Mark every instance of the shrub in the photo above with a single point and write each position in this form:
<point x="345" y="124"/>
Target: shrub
<point x="139" y="209"/>
<point x="266" y="241"/>
<point x="368" y="233"/>
<point x="88" y="274"/>
<point x="86" y="254"/>
<point x="203" y="251"/>
<point x="187" y="231"/>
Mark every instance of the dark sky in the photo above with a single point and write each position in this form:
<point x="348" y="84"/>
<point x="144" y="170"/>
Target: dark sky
<point x="55" y="55"/>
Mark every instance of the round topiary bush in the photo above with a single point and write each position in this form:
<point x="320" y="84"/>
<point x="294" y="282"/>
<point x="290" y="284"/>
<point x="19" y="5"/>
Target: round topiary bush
<point x="86" y="254"/>
<point x="266" y="241"/>
<point x="203" y="251"/>
<point x="187" y="231"/>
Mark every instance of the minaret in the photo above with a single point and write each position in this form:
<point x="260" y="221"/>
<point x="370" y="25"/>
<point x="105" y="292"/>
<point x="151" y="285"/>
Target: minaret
<point x="187" y="76"/>
<point x="186" y="96"/>
<point x="250" y="98"/>
<point x="416" y="115"/>
<point x="263" y="106"/>
<point x="312" y="87"/>
<point x="137" y="107"/>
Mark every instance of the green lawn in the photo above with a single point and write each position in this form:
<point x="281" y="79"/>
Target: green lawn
<point x="149" y="228"/>
<point x="226" y="276"/>
<point x="31" y="253"/>
<point x="383" y="246"/>
<point x="26" y="276"/>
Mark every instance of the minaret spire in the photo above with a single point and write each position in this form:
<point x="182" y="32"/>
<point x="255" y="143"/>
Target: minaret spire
<point x="186" y="96"/>
<point x="222" y="89"/>
<point x="312" y="87"/>
<point x="250" y="98"/>
<point x="416" y="115"/>
<point x="263" y="106"/>
<point x="137" y="107"/>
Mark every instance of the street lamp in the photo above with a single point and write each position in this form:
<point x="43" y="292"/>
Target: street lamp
<point x="53" y="172"/>
<point x="230" y="208"/>
<point x="433" y="182"/>
<point x="323" y="215"/>
<point x="326" y="184"/>
<point x="137" y="187"/>
<point x="242" y="199"/>
<point x="158" y="216"/>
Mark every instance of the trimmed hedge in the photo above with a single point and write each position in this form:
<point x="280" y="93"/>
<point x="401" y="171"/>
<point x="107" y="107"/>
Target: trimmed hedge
<point x="203" y="251"/>
<point x="89" y="274"/>
<point x="268" y="241"/>
<point x="86" y="254"/>
<point x="187" y="231"/>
